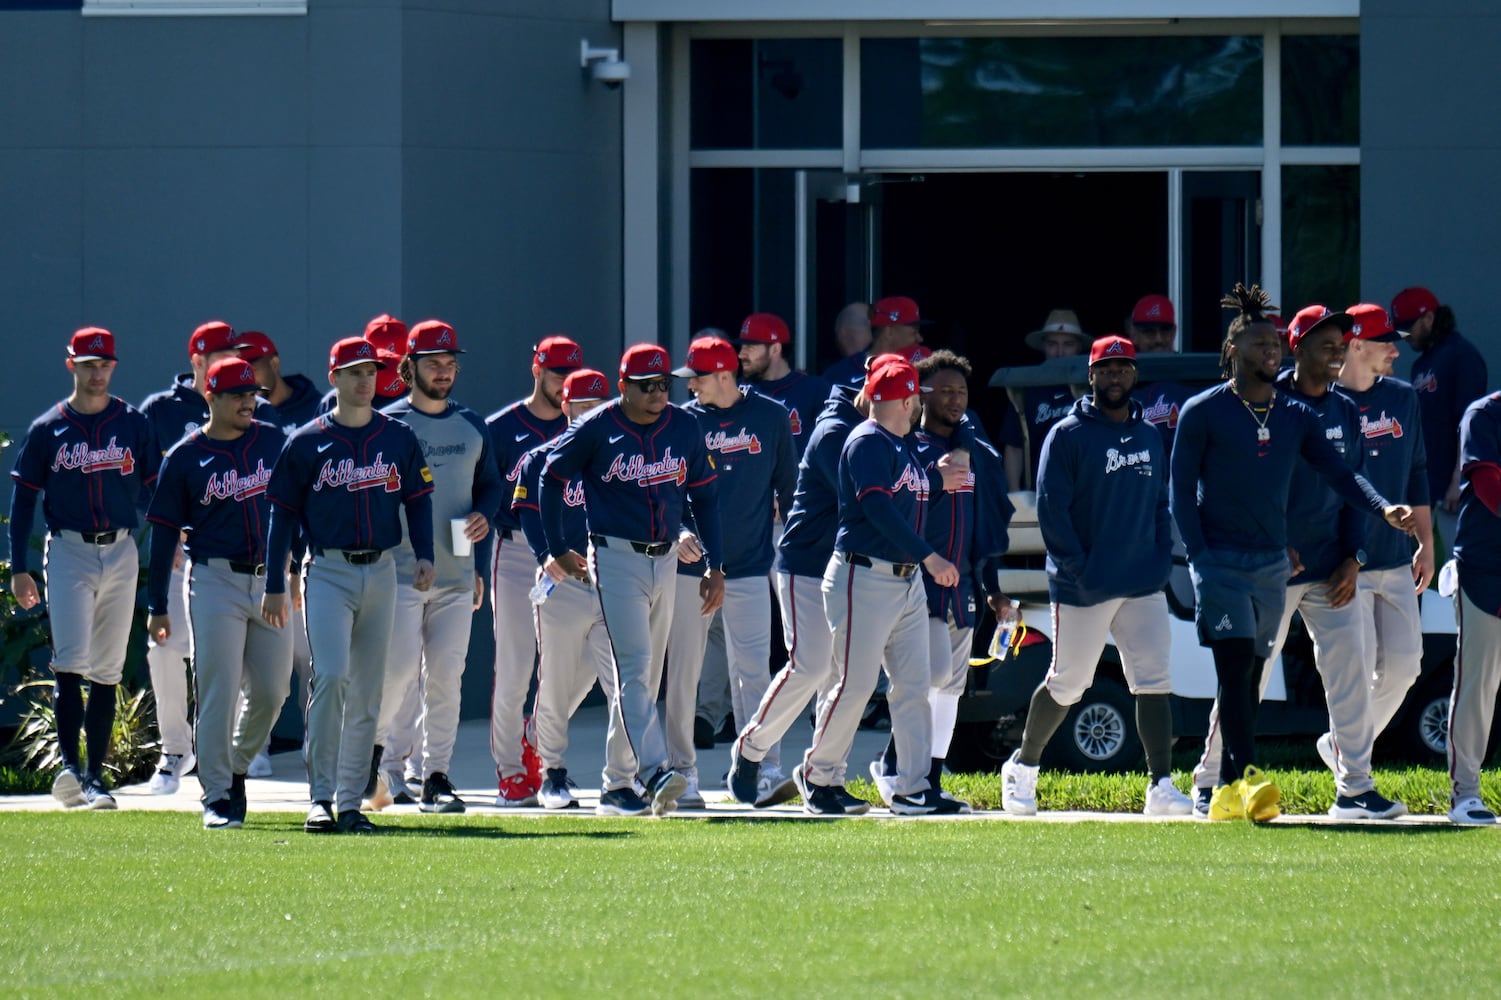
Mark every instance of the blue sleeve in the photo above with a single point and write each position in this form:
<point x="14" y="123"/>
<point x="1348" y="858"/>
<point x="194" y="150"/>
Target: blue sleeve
<point x="565" y="462"/>
<point x="703" y="494"/>
<point x="784" y="477"/>
<point x="525" y="506"/>
<point x="159" y="570"/>
<point x="1352" y="526"/>
<point x="418" y="499"/>
<point x="1187" y="459"/>
<point x="1315" y="447"/>
<point x="993" y="516"/>
<point x="1056" y="472"/>
<point x="286" y="506"/>
<point x="22" y="513"/>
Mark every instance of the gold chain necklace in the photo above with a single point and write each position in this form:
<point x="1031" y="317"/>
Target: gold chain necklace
<point x="1263" y="433"/>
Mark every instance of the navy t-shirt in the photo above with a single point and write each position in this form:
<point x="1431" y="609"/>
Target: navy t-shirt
<point x="1447" y="377"/>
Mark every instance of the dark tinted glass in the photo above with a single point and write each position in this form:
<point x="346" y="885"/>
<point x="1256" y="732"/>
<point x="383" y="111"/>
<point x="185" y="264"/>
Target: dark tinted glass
<point x="1321" y="90"/>
<point x="785" y="93"/>
<point x="1320" y="237"/>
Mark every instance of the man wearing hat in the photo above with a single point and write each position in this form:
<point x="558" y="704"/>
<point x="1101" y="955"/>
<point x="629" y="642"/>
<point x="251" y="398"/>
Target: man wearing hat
<point x="1102" y="507"/>
<point x="212" y="489"/>
<point x="430" y="633"/>
<point x="344" y="479"/>
<point x="1152" y="328"/>
<point x="90" y="458"/>
<point x="1448" y="374"/>
<point x="764" y="343"/>
<point x="388" y="335"/>
<point x="515" y="430"/>
<point x="896" y="328"/>
<point x="1040" y="407"/>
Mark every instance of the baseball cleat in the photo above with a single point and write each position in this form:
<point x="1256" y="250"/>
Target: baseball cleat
<point x="438" y="795"/>
<point x="220" y="815"/>
<point x="1228" y="801"/>
<point x="95" y="795"/>
<point x="620" y="802"/>
<point x="1163" y="799"/>
<point x="664" y="789"/>
<point x="354" y="821"/>
<point x="557" y="790"/>
<point x="1366" y="805"/>
<point x="320" y="818"/>
<point x="744" y="779"/>
<point x="529" y="758"/>
<point x="67" y="788"/>
<point x="515" y="792"/>
<point x="1261" y="796"/>
<point x="1470" y="811"/>
<point x="1018" y="786"/>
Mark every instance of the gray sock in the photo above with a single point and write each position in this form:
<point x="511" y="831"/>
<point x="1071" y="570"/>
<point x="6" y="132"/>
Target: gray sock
<point x="1043" y="719"/>
<point x="1154" y="723"/>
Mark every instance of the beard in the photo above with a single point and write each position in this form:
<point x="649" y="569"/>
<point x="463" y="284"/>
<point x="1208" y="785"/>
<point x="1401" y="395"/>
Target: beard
<point x="430" y="390"/>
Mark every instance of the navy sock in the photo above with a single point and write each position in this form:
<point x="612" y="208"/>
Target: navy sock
<point x="67" y="708"/>
<point x="98" y="722"/>
<point x="935" y="775"/>
<point x="888" y="757"/>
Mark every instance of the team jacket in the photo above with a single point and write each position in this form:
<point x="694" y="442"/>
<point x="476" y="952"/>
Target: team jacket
<point x="1447" y="378"/>
<point x="808" y="529"/>
<point x="300" y="407"/>
<point x="1321" y="527"/>
<point x="1394" y="459"/>
<point x="1230" y="491"/>
<point x="803" y="396"/>
<point x="1102" y="505"/>
<point x="345" y="486"/>
<point x="94" y="471"/>
<point x="524" y="505"/>
<point x="966" y="526"/>
<point x="1042" y="407"/>
<point x="514" y="432"/>
<point x="848" y="371"/>
<point x="456" y="448"/>
<point x="751" y="444"/>
<point x="215" y="491"/>
<point x="883" y="496"/>
<point x="179" y="411"/>
<point x="636" y="479"/>
<point x="1477" y="543"/>
<point x="1161" y="405"/>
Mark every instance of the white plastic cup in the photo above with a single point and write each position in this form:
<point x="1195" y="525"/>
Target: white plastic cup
<point x="461" y="544"/>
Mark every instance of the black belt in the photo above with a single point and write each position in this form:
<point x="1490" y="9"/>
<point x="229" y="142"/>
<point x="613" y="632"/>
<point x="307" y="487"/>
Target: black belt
<point x="249" y="569"/>
<point x="902" y="570"/>
<point x="356" y="557"/>
<point x="103" y="537"/>
<point x="644" y="548"/>
<point x="505" y="533"/>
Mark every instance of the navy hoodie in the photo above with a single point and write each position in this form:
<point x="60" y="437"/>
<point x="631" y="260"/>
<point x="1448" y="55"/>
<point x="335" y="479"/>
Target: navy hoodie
<point x="967" y="526"/>
<point x="810" y="526"/>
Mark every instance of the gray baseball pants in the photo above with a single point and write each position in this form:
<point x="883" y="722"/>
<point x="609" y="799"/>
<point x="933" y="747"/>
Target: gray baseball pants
<point x="714" y="700"/>
<point x="424" y="671"/>
<point x="574" y="652"/>
<point x="513" y="571"/>
<point x="167" y="664"/>
<point x="1477" y="672"/>
<point x="93" y="586"/>
<point x="1393" y="638"/>
<point x="948" y="657"/>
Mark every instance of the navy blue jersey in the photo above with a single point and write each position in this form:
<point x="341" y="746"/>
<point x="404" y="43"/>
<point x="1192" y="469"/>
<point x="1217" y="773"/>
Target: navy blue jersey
<point x="179" y="411"/>
<point x="1477" y="543"/>
<point x="94" y="471"/>
<point x="1321" y="527"/>
<point x="751" y="445"/>
<point x="1394" y="459"/>
<point x="1447" y="377"/>
<point x="1230" y="490"/>
<point x="967" y="526"/>
<point x="346" y="486"/>
<point x="1102" y="506"/>
<point x="883" y="496"/>
<point x="1161" y="403"/>
<point x="848" y="370"/>
<point x="300" y="407"/>
<point x="636" y="479"/>
<point x="515" y="431"/>
<point x="215" y="491"/>
<point x="803" y="396"/>
<point x="808" y="529"/>
<point x="524" y="505"/>
<point x="1042" y="407"/>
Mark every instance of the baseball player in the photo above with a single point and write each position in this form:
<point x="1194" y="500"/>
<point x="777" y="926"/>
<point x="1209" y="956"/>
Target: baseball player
<point x="514" y="431"/>
<point x="213" y="488"/>
<point x="896" y="328"/>
<point x="1152" y="328"/>
<point x="803" y="554"/>
<point x="573" y="648"/>
<point x="90" y="457"/>
<point x="966" y="521"/>
<point x="1327" y="545"/>
<point x="1396" y="463"/>
<point x="1477" y="551"/>
<point x="1102" y="507"/>
<point x="875" y="602"/>
<point x="343" y="478"/>
<point x="173" y="414"/>
<point x="1025" y="425"/>
<point x="764" y="343"/>
<point x="1232" y="468"/>
<point x="749" y="439"/>
<point x="389" y="337"/>
<point x="639" y="459"/>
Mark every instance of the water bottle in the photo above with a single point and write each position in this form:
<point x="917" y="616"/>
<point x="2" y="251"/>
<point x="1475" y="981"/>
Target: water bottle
<point x="542" y="589"/>
<point x="1005" y="629"/>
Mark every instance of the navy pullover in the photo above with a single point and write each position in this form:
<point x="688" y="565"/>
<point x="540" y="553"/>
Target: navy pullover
<point x="1394" y="459"/>
<point x="809" y="527"/>
<point x="1321" y="527"/>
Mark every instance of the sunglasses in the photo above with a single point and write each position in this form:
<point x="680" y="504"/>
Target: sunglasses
<point x="662" y="385"/>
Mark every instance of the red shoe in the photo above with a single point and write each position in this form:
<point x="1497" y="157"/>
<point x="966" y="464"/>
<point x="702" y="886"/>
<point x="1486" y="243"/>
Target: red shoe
<point x="515" y="792"/>
<point x="529" y="758"/>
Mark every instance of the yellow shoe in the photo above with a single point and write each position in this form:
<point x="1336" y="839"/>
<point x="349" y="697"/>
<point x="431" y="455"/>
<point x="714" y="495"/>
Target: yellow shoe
<point x="1228" y="802"/>
<point x="1260" y="796"/>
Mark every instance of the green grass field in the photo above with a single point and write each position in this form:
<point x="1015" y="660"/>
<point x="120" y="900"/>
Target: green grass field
<point x="147" y="904"/>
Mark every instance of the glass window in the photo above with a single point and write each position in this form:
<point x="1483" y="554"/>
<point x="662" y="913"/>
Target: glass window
<point x="742" y="245"/>
<point x="1320" y="237"/>
<point x="1061" y="92"/>
<point x="1321" y="90"/>
<point x="782" y="93"/>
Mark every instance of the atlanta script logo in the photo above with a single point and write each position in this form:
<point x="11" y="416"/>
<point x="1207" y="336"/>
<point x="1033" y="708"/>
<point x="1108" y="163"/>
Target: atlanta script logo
<point x="90" y="460"/>
<point x="728" y="444"/>
<point x="232" y="485"/>
<point x="573" y="493"/>
<point x="1380" y="427"/>
<point x="1164" y="411"/>
<point x="1426" y="382"/>
<point x="359" y="477"/>
<point x="637" y="469"/>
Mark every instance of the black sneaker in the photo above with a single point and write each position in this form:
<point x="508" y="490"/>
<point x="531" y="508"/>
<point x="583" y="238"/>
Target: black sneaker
<point x="354" y="821"/>
<point x="238" y="801"/>
<point x="853" y="804"/>
<point x="818" y="800"/>
<point x="703" y="733"/>
<point x="320" y="818"/>
<point x="1366" y="805"/>
<point x="95" y="795"/>
<point x="220" y="815"/>
<point x="664" y="789"/>
<point x="438" y="795"/>
<point x="727" y="732"/>
<point x="744" y="779"/>
<point x="924" y="803"/>
<point x="376" y="754"/>
<point x="620" y="802"/>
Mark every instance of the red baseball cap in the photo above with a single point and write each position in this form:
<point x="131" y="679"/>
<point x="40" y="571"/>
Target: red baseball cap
<point x="1154" y="310"/>
<point x="353" y="351"/>
<point x="388" y="332"/>
<point x="230" y="375"/>
<point x="1314" y="317"/>
<point x="432" y="336"/>
<point x="560" y="353"/>
<point x="1111" y="348"/>
<point x="897" y="310"/>
<point x="1412" y="304"/>
<point x="212" y="337"/>
<point x="707" y="355"/>
<point x="393" y="385"/>
<point x="919" y="351"/>
<point x="645" y="361"/>
<point x="585" y="384"/>
<point x="1369" y="321"/>
<point x="891" y="377"/>
<point x="255" y="345"/>
<point x="92" y="343"/>
<point x="763" y="328"/>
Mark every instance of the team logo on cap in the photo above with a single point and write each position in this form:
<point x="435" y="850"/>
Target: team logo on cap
<point x="1115" y="348"/>
<point x="97" y="344"/>
<point x="445" y="339"/>
<point x="1154" y="311"/>
<point x="363" y="351"/>
<point x="655" y="362"/>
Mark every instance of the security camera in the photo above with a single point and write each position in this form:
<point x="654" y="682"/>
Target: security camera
<point x="605" y="65"/>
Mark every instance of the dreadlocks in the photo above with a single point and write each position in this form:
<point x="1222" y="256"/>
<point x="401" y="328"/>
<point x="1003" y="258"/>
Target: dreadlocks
<point x="1253" y="305"/>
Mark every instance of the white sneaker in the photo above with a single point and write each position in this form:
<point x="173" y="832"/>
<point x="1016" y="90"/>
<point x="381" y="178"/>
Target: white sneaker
<point x="883" y="781"/>
<point x="1325" y="746"/>
<point x="691" y="798"/>
<point x="260" y="765"/>
<point x="1163" y="799"/>
<point x="1018" y="787"/>
<point x="169" y="773"/>
<point x="1470" y="811"/>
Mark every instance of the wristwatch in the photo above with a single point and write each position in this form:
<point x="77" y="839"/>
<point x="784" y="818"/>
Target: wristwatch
<point x="1360" y="557"/>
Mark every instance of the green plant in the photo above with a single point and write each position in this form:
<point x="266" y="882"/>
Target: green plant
<point x="25" y="636"/>
<point x="133" y="745"/>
